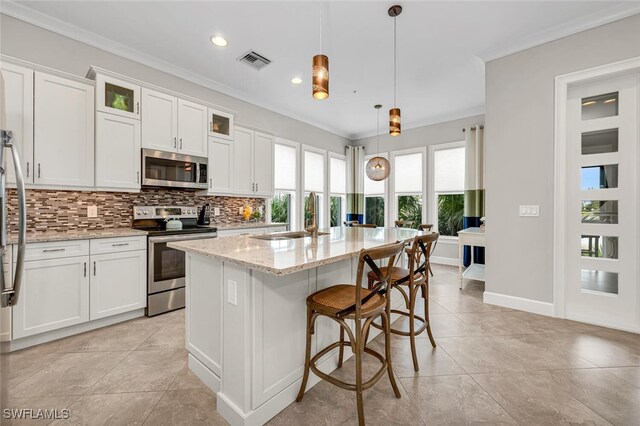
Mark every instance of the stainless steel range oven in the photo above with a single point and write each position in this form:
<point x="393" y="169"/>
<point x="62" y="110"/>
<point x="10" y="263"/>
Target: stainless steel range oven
<point x="167" y="266"/>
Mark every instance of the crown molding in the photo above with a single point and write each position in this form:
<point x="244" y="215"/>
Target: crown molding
<point x="34" y="17"/>
<point x="437" y="119"/>
<point x="596" y="19"/>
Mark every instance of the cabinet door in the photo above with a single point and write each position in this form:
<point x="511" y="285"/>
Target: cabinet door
<point x="117" y="152"/>
<point x="118" y="283"/>
<point x="63" y="136"/>
<point x="263" y="164"/>
<point x="118" y="97"/>
<point x="219" y="166"/>
<point x="18" y="93"/>
<point x="159" y="121"/>
<point x="54" y="294"/>
<point x="192" y="128"/>
<point x="242" y="161"/>
<point x="220" y="124"/>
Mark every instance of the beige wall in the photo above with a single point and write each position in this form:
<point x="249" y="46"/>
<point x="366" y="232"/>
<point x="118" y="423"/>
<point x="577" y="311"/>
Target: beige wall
<point x="30" y="43"/>
<point x="519" y="151"/>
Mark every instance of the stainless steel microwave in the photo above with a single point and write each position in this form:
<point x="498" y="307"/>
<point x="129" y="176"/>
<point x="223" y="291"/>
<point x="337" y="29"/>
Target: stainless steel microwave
<point x="173" y="170"/>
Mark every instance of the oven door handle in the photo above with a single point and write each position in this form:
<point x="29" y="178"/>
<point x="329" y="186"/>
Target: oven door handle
<point x="172" y="238"/>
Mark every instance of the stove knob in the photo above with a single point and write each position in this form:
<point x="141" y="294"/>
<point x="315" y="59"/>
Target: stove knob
<point x="146" y="212"/>
<point x="192" y="211"/>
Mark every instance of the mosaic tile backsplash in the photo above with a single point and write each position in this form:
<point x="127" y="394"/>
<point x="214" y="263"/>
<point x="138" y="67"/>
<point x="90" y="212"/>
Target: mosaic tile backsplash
<point x="49" y="210"/>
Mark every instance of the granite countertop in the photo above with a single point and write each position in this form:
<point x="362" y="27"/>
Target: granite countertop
<point x="244" y="225"/>
<point x="76" y="234"/>
<point x="282" y="257"/>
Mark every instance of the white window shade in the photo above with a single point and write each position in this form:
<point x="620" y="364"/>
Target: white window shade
<point x="313" y="171"/>
<point x="449" y="170"/>
<point x="285" y="167"/>
<point x="338" y="170"/>
<point x="408" y="173"/>
<point x="372" y="186"/>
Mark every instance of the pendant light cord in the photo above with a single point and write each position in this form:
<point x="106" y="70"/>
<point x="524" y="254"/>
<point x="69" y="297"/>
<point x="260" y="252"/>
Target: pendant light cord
<point x="320" y="28"/>
<point x="378" y="132"/>
<point x="395" y="66"/>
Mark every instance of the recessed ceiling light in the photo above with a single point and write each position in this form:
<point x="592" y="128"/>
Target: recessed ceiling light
<point x="219" y="41"/>
<point x="296" y="80"/>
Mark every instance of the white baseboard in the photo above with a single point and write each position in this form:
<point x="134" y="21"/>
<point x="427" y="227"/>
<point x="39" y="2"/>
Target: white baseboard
<point x="519" y="303"/>
<point x="207" y="376"/>
<point x="444" y="260"/>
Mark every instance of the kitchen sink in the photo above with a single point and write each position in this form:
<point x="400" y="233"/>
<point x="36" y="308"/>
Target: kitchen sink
<point x="285" y="235"/>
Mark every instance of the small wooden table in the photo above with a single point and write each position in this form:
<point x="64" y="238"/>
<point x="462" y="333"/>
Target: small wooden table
<point x="473" y="237"/>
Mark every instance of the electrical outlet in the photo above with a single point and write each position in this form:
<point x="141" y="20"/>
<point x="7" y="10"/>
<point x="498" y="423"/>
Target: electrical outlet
<point x="530" y="210"/>
<point x="216" y="211"/>
<point x="240" y="210"/>
<point x="92" y="211"/>
<point x="232" y="292"/>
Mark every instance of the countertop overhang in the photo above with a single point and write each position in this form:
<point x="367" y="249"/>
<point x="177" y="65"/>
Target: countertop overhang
<point x="282" y="257"/>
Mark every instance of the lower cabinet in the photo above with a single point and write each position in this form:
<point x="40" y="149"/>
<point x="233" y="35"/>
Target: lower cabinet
<point x="65" y="284"/>
<point x="54" y="294"/>
<point x="115" y="283"/>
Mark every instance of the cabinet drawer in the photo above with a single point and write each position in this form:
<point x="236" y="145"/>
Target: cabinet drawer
<point x="119" y="244"/>
<point x="53" y="250"/>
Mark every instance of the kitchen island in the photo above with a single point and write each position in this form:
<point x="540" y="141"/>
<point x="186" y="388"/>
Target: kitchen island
<point x="246" y="312"/>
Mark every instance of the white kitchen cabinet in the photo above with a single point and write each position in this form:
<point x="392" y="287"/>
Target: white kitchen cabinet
<point x="117" y="152"/>
<point x="18" y="92"/>
<point x="192" y="128"/>
<point x="159" y="120"/>
<point x="243" y="161"/>
<point x="263" y="164"/>
<point x="219" y="167"/>
<point x="252" y="162"/>
<point x="117" y="283"/>
<point x="117" y="96"/>
<point x="63" y="132"/>
<point x="54" y="294"/>
<point x="5" y="313"/>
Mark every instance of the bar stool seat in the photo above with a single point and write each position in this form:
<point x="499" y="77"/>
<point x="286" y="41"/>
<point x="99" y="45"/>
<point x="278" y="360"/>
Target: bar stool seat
<point x="397" y="274"/>
<point x="339" y="297"/>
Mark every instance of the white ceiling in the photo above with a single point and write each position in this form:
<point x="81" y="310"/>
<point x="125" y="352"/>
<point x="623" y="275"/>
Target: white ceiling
<point x="440" y="46"/>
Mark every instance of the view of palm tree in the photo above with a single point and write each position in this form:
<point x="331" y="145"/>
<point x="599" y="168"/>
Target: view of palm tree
<point x="410" y="209"/>
<point x="374" y="210"/>
<point x="335" y="211"/>
<point x="450" y="214"/>
<point x="280" y="208"/>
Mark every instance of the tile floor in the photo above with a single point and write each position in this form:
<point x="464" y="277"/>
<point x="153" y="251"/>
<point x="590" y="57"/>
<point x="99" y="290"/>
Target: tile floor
<point x="492" y="365"/>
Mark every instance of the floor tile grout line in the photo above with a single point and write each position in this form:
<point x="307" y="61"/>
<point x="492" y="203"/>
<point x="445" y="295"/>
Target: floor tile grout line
<point x="150" y="336"/>
<point x="144" y="421"/>
<point x="491" y="396"/>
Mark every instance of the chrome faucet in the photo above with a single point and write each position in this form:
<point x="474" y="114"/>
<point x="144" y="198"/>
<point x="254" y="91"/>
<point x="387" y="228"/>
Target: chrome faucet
<point x="312" y="227"/>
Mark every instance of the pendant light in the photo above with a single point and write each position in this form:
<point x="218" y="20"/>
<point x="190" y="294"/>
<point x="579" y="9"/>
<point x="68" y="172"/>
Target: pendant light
<point x="320" y="71"/>
<point x="394" y="113"/>
<point x="378" y="168"/>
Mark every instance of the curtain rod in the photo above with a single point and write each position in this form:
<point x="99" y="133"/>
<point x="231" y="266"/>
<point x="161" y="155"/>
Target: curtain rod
<point x="473" y="128"/>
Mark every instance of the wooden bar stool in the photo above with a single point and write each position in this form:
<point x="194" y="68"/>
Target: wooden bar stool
<point x="403" y="223"/>
<point x="425" y="227"/>
<point x="408" y="282"/>
<point x="347" y="301"/>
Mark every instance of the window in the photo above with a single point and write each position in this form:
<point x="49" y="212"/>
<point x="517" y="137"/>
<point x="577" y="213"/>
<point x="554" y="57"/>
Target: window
<point x="374" y="196"/>
<point x="408" y="181"/>
<point x="285" y="178"/>
<point x="314" y="177"/>
<point x="337" y="190"/>
<point x="448" y="184"/>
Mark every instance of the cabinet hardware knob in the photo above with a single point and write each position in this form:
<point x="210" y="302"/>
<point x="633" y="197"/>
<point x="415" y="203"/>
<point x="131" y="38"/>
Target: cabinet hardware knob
<point x="138" y="108"/>
<point x="85" y="269"/>
<point x="175" y="143"/>
<point x="180" y="143"/>
<point x="138" y="177"/>
<point x="38" y="170"/>
<point x="94" y="268"/>
<point x="27" y="169"/>
<point x="210" y="182"/>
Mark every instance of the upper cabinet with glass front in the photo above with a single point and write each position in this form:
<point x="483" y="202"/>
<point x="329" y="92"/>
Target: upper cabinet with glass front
<point x="220" y="124"/>
<point x="117" y="96"/>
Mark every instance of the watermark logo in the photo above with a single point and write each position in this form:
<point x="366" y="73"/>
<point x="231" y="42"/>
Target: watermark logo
<point x="35" y="414"/>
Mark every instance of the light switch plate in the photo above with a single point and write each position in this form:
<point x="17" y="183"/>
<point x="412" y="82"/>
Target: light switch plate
<point x="529" y="210"/>
<point x="216" y="211"/>
<point x="232" y="292"/>
<point x="92" y="211"/>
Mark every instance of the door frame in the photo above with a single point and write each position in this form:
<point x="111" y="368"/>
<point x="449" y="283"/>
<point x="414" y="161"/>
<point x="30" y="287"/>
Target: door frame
<point x="562" y="83"/>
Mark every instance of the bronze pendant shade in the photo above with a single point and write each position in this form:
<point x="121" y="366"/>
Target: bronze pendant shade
<point x="395" y="127"/>
<point x="320" y="77"/>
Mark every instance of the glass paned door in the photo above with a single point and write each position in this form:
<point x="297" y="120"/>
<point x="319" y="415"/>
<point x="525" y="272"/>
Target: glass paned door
<point x="220" y="124"/>
<point x="602" y="203"/>
<point x="117" y="97"/>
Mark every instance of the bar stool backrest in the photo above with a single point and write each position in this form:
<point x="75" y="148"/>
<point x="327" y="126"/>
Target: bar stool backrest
<point x="403" y="223"/>
<point x="425" y="227"/>
<point x="420" y="252"/>
<point x="369" y="256"/>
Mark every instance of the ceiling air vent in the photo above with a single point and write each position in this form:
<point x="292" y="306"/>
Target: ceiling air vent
<point x="254" y="60"/>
